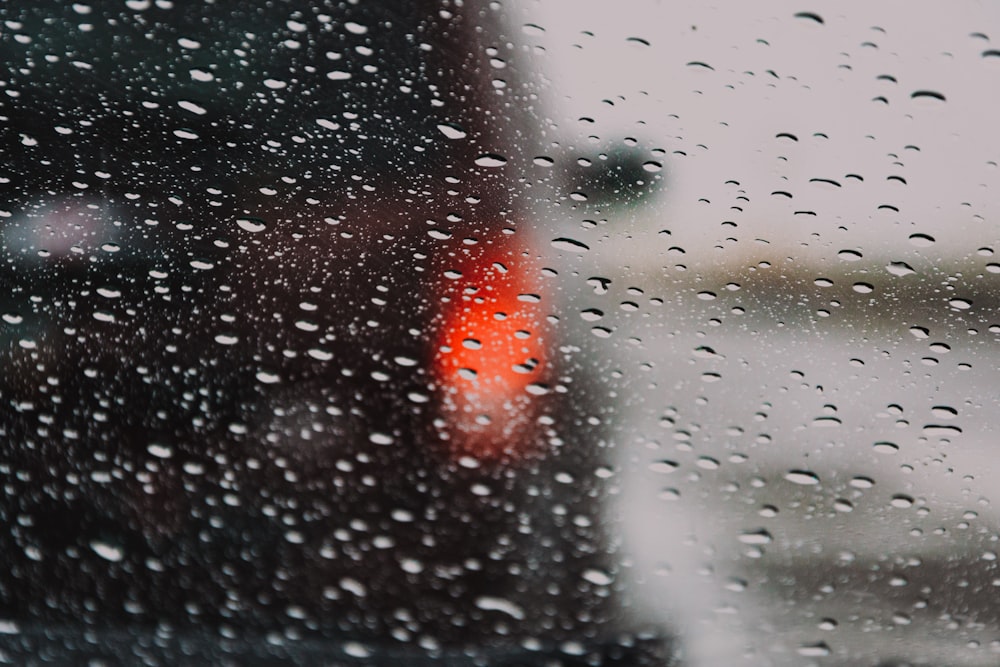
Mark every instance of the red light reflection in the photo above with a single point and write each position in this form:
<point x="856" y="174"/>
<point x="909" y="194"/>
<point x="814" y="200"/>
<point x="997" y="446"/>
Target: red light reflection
<point x="490" y="353"/>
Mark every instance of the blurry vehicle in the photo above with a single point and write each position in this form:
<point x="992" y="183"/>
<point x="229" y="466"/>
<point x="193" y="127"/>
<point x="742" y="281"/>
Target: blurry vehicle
<point x="280" y="380"/>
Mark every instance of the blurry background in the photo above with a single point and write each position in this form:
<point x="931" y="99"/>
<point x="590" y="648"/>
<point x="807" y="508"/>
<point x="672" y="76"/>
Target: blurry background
<point x="797" y="324"/>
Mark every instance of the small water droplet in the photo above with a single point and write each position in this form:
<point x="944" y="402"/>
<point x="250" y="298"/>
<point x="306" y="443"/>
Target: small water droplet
<point x="862" y="482"/>
<point x="843" y="505"/>
<point x="810" y="16"/>
<point x="759" y="536"/>
<point x="380" y="438"/>
<point x="816" y="650"/>
<point x="503" y="605"/>
<point x="491" y="160"/>
<point x="569" y="245"/>
<point x="357" y="650"/>
<point x="107" y="551"/>
<point x="599" y="284"/>
<point x="900" y="269"/>
<point x="663" y="467"/>
<point x="922" y="240"/>
<point x="160" y="451"/>
<point x="268" y="378"/>
<point x="944" y="412"/>
<point x="453" y="131"/>
<point x="803" y="477"/>
<point x="597" y="577"/>
<point x="928" y="95"/>
<point x="251" y="224"/>
<point x="902" y="501"/>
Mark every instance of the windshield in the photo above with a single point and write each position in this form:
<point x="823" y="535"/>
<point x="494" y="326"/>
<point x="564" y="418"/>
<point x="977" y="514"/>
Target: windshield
<point x="481" y="333"/>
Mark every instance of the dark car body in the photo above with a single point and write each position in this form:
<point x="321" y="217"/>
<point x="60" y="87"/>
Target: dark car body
<point x="280" y="380"/>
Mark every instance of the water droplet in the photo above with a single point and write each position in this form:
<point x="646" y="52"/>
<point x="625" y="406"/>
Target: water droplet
<point x="268" y="378"/>
<point x="900" y="269"/>
<point x="380" y="438"/>
<point x="453" y="131"/>
<point x="652" y="166"/>
<point x="160" y="451"/>
<point x="489" y="603"/>
<point x="920" y="332"/>
<point x="902" y="501"/>
<point x="491" y="160"/>
<point x="664" y="466"/>
<point x="591" y="314"/>
<point x="810" y="16"/>
<point x="929" y="95"/>
<point x="251" y="224"/>
<point x="707" y="463"/>
<point x="816" y="650"/>
<point x="843" y="505"/>
<point x="569" y="245"/>
<point x="922" y="240"/>
<point x="193" y="468"/>
<point x="803" y="477"/>
<point x="357" y="650"/>
<point x="543" y="161"/>
<point x="944" y="412"/>
<point x="599" y="284"/>
<point x="863" y="288"/>
<point x="862" y="482"/>
<point x="960" y="304"/>
<point x="885" y="447"/>
<point x="107" y="551"/>
<point x="849" y="255"/>
<point x="192" y="107"/>
<point x="759" y="536"/>
<point x="597" y="577"/>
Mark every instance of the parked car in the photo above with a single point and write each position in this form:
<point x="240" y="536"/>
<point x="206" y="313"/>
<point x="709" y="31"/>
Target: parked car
<point x="280" y="377"/>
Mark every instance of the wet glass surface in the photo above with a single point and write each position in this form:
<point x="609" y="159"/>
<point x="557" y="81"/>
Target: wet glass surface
<point x="472" y="333"/>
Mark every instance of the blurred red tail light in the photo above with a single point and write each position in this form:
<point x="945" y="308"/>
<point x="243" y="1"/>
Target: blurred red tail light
<point x="489" y="358"/>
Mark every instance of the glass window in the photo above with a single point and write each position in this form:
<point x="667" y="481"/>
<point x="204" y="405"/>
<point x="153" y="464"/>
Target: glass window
<point x="481" y="333"/>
